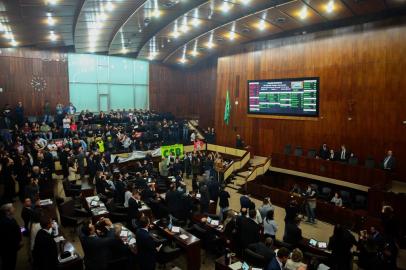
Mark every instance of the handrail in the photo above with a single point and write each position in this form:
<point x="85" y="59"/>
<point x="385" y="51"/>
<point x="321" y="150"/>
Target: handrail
<point x="259" y="169"/>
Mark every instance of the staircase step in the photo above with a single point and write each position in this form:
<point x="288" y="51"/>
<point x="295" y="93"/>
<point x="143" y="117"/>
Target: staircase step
<point x="244" y="173"/>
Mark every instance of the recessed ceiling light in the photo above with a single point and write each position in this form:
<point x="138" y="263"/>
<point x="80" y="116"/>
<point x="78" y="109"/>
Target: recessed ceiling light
<point x="156" y="13"/>
<point x="1" y="27"/>
<point x="102" y="17"/>
<point x="183" y="60"/>
<point x="261" y="25"/>
<point x="52" y="36"/>
<point x="231" y="35"/>
<point x="184" y="28"/>
<point x="109" y="6"/>
<point x="303" y="13"/>
<point x="194" y="53"/>
<point x="50" y="19"/>
<point x="245" y="2"/>
<point x="210" y="44"/>
<point x="225" y="7"/>
<point x="330" y="6"/>
<point x="14" y="43"/>
<point x="51" y="2"/>
<point x="175" y="34"/>
<point x="195" y="22"/>
<point x="124" y="50"/>
<point x="9" y="35"/>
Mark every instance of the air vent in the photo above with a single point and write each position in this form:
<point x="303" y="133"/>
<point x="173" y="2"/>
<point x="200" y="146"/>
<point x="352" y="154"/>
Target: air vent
<point x="280" y="20"/>
<point x="201" y="48"/>
<point x="147" y="21"/>
<point x="246" y="30"/>
<point x="219" y="39"/>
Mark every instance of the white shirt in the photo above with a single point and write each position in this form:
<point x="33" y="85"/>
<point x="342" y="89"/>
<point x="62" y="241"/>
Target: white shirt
<point x="66" y="123"/>
<point x="270" y="227"/>
<point x="127" y="196"/>
<point x="192" y="137"/>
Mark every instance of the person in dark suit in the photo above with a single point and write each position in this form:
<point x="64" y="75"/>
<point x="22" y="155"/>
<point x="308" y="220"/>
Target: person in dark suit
<point x="134" y="205"/>
<point x="332" y="155"/>
<point x="97" y="250"/>
<point x="250" y="230"/>
<point x="147" y="250"/>
<point x="239" y="143"/>
<point x="172" y="199"/>
<point x="323" y="152"/>
<point x="26" y="214"/>
<point x="45" y="252"/>
<point x="264" y="249"/>
<point x="279" y="261"/>
<point x="343" y="154"/>
<point x="10" y="236"/>
<point x="389" y="161"/>
<point x="245" y="201"/>
<point x="293" y="234"/>
<point x="340" y="244"/>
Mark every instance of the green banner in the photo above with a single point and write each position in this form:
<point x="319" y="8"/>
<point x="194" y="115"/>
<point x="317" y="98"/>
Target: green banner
<point x="177" y="150"/>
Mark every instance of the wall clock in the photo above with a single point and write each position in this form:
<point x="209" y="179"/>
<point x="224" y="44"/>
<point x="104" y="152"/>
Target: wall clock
<point x="38" y="83"/>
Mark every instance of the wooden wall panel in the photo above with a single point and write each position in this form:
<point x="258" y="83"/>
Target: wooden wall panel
<point x="17" y="68"/>
<point x="188" y="93"/>
<point x="361" y="70"/>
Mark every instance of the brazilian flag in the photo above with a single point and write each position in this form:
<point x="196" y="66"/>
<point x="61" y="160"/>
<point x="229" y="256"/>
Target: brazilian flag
<point x="227" y="109"/>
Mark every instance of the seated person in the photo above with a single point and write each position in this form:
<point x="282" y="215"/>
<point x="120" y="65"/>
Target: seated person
<point x="264" y="249"/>
<point x="336" y="200"/>
<point x="323" y="152"/>
<point x="295" y="260"/>
<point x="389" y="161"/>
<point x="97" y="244"/>
<point x="134" y="205"/>
<point x="279" y="260"/>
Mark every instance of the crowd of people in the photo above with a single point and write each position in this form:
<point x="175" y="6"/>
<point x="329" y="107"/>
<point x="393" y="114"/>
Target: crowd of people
<point x="83" y="144"/>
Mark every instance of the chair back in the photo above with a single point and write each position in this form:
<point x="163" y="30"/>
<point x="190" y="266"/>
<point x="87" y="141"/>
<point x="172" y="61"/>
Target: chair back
<point x="370" y="163"/>
<point x="254" y="259"/>
<point x="287" y="150"/>
<point x="298" y="151"/>
<point x="311" y="153"/>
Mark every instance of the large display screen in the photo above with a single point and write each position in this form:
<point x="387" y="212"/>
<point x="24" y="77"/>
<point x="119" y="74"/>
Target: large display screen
<point x="289" y="97"/>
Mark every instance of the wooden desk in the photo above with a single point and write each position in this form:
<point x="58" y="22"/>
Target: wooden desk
<point x="96" y="208"/>
<point x="191" y="245"/>
<point x="220" y="263"/>
<point x="353" y="176"/>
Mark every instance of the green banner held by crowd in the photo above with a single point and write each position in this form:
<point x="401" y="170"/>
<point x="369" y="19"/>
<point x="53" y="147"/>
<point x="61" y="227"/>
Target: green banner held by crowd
<point x="177" y="150"/>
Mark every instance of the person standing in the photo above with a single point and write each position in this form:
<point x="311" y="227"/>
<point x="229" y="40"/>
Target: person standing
<point x="10" y="236"/>
<point x="340" y="244"/>
<point x="66" y="126"/>
<point x="389" y="161"/>
<point x="47" y="112"/>
<point x="224" y="203"/>
<point x="19" y="114"/>
<point x="311" y="203"/>
<point x="45" y="253"/>
<point x="147" y="250"/>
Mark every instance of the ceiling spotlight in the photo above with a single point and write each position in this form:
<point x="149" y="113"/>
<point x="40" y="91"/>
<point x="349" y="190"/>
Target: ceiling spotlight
<point x="225" y="7"/>
<point x="182" y="60"/>
<point x="261" y="25"/>
<point x="9" y="35"/>
<point x="1" y="27"/>
<point x="195" y="22"/>
<point x="102" y="17"/>
<point x="156" y="13"/>
<point x="52" y="36"/>
<point x="50" y="20"/>
<point x="303" y="13"/>
<point x="330" y="6"/>
<point x="210" y="44"/>
<point x="175" y="34"/>
<point x="194" y="53"/>
<point x="124" y="50"/>
<point x="184" y="28"/>
<point x="231" y="35"/>
<point x="245" y="2"/>
<point x="13" y="43"/>
<point x="51" y="2"/>
<point x="109" y="6"/>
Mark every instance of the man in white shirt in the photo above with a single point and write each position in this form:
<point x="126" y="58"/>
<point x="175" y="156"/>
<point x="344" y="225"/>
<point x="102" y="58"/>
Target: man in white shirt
<point x="389" y="161"/>
<point x="66" y="125"/>
<point x="193" y="136"/>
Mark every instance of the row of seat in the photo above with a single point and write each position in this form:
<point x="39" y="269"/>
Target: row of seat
<point x="312" y="153"/>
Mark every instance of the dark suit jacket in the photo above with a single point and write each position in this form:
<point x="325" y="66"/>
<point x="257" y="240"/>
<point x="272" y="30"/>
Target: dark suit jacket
<point x="133" y="208"/>
<point x="250" y="232"/>
<point x="274" y="265"/>
<point x="26" y="215"/>
<point x="263" y="250"/>
<point x="293" y="234"/>
<point x="323" y="153"/>
<point x="346" y="156"/>
<point x="146" y="250"/>
<point x="98" y="250"/>
<point x="10" y="235"/>
<point x="45" y="251"/>
<point x="390" y="165"/>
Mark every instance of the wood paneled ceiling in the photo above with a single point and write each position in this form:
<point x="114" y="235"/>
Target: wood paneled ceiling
<point x="170" y="31"/>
